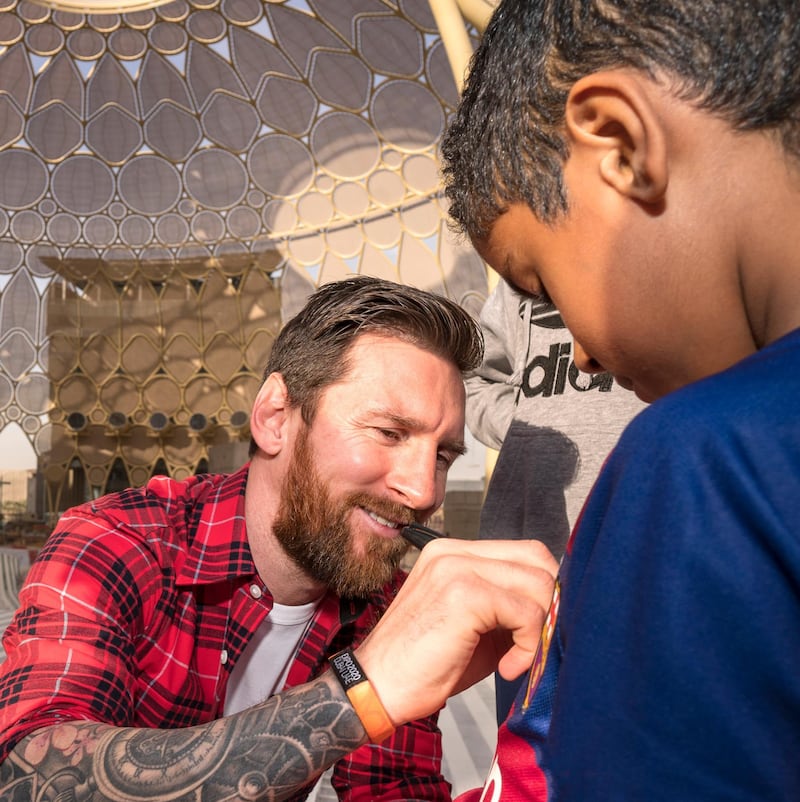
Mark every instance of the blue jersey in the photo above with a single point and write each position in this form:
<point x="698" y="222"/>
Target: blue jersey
<point x="672" y="666"/>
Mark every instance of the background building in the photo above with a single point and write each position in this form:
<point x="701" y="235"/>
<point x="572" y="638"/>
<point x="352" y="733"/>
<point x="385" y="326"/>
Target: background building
<point x="175" y="179"/>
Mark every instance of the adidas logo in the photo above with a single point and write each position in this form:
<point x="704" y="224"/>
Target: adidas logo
<point x="550" y="374"/>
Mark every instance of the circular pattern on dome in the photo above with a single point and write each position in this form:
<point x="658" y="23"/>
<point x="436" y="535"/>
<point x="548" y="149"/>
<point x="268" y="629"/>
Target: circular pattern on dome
<point x="97" y="475"/>
<point x="6" y="391"/>
<point x="33" y="393"/>
<point x="172" y="229"/>
<point x="383" y="232"/>
<point x="63" y="229"/>
<point x="422" y="220"/>
<point x="13" y="412"/>
<point x="119" y="394"/>
<point x="206" y="26"/>
<point x="156" y="264"/>
<point x="345" y="242"/>
<point x="32" y="12"/>
<point x="136" y="231"/>
<point x="168" y="38"/>
<point x="30" y="424"/>
<point x="307" y="250"/>
<point x="215" y="178"/>
<point x="345" y="145"/>
<point x="80" y="263"/>
<point x="407" y="115"/>
<point x="139" y="476"/>
<point x="76" y="392"/>
<point x="23" y="179"/>
<point x="40" y="260"/>
<point x="140" y="19"/>
<point x="105" y="23"/>
<point x="243" y="222"/>
<point x="127" y="44"/>
<point x="421" y="173"/>
<point x="386" y="187"/>
<point x="192" y="260"/>
<point x="256" y="199"/>
<point x="68" y="20"/>
<point x="392" y="158"/>
<point x="162" y="394"/>
<point x="175" y="11"/>
<point x="315" y="209"/>
<point x="280" y="165"/>
<point x="149" y="184"/>
<point x="82" y="184"/>
<point x="27" y="226"/>
<point x="86" y="44"/>
<point x="279" y="217"/>
<point x="203" y="395"/>
<point x="100" y="230"/>
<point x="11" y="29"/>
<point x="119" y="264"/>
<point x="351" y="200"/>
<point x="117" y="210"/>
<point x="46" y="207"/>
<point x="241" y="12"/>
<point x="208" y="226"/>
<point x="44" y="39"/>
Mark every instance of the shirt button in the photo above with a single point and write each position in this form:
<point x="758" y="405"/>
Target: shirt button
<point x="223" y="658"/>
<point x="255" y="591"/>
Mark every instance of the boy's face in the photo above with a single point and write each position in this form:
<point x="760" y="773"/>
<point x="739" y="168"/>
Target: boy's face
<point x="628" y="312"/>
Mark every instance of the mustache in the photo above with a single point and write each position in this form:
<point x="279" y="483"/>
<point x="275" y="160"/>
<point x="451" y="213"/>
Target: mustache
<point x="391" y="510"/>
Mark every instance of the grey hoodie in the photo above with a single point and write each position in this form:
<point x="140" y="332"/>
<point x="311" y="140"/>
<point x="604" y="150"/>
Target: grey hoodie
<point x="554" y="425"/>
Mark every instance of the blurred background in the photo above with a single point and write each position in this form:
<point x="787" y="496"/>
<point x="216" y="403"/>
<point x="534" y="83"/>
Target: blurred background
<point x="175" y="179"/>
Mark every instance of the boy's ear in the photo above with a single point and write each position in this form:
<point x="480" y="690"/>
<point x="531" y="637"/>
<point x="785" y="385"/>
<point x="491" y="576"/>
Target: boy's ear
<point x="269" y="416"/>
<point x="612" y="113"/>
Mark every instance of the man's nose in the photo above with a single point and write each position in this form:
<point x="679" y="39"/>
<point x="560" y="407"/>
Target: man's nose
<point x="414" y="477"/>
<point x="584" y="361"/>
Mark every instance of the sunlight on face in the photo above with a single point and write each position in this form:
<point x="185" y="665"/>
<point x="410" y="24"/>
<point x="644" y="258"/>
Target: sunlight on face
<point x="316" y="531"/>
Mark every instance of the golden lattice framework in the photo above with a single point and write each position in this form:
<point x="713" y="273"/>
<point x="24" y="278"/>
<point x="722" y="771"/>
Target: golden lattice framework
<point x="174" y="182"/>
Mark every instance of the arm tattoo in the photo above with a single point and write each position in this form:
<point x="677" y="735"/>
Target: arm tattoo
<point x="267" y="752"/>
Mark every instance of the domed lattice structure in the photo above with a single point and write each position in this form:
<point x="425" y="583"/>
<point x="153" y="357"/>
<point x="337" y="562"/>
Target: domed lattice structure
<point x="174" y="181"/>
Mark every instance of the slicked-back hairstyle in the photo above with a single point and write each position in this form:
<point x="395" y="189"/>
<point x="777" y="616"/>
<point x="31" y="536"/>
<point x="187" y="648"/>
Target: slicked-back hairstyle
<point x="738" y="59"/>
<point x="311" y="350"/>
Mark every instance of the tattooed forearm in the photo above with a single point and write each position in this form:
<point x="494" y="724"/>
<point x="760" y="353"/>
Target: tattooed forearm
<point x="265" y="753"/>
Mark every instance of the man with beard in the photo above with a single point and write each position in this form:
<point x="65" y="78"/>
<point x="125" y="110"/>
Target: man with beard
<point x="172" y="641"/>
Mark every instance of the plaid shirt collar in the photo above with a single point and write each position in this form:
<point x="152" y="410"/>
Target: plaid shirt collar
<point x="219" y="550"/>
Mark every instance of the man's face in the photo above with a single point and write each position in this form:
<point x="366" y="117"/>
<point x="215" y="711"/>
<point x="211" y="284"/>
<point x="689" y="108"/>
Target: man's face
<point x="374" y="459"/>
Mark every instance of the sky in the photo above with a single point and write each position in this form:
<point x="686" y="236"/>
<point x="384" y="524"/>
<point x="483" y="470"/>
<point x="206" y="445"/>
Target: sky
<point x="16" y="451"/>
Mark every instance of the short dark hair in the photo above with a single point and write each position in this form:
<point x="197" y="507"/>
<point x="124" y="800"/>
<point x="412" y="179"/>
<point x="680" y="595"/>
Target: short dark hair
<point x="738" y="59"/>
<point x="311" y="349"/>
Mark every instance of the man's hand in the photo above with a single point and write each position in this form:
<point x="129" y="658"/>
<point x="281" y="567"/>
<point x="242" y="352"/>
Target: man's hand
<point x="467" y="608"/>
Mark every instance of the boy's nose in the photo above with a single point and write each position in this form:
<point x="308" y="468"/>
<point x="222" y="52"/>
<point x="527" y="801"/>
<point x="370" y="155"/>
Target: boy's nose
<point x="584" y="361"/>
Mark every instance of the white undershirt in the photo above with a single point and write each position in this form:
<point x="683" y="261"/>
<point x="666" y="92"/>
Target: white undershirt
<point x="261" y="670"/>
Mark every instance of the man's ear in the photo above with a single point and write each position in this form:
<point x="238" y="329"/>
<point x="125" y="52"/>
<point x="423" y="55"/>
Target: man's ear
<point x="612" y="112"/>
<point x="269" y="416"/>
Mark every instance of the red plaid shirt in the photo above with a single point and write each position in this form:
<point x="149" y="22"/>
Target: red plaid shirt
<point x="140" y="605"/>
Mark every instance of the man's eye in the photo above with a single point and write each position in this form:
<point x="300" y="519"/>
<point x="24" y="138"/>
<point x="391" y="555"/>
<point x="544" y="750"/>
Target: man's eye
<point x="389" y="434"/>
<point x="445" y="460"/>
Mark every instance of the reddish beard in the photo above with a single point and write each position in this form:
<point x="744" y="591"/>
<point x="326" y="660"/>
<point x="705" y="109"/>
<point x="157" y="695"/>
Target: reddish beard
<point x="315" y="530"/>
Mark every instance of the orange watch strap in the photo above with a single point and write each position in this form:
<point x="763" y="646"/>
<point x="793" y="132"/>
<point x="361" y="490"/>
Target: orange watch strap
<point x="362" y="696"/>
